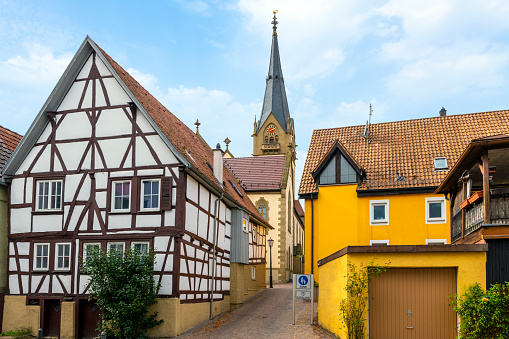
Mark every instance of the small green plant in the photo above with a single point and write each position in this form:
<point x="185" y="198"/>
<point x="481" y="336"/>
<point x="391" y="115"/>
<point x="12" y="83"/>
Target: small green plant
<point x="123" y="286"/>
<point x="483" y="315"/>
<point x="24" y="333"/>
<point x="352" y="308"/>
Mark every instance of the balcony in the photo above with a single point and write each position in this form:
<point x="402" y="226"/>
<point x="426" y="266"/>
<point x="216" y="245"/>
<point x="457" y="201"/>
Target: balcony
<point x="474" y="214"/>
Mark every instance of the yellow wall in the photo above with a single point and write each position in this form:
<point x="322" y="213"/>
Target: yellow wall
<point x="342" y="219"/>
<point x="470" y="269"/>
<point x="19" y="316"/>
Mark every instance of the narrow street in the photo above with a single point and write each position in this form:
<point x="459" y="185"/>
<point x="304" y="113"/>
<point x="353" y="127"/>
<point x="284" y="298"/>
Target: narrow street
<point x="266" y="315"/>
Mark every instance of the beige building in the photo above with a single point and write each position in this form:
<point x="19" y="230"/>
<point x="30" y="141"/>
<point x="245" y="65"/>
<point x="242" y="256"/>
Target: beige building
<point x="269" y="176"/>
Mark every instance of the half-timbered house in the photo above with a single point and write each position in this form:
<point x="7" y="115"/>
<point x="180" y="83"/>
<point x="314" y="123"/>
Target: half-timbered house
<point x="106" y="165"/>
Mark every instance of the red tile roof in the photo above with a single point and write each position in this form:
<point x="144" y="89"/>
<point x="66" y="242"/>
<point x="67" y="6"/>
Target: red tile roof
<point x="299" y="209"/>
<point x="8" y="142"/>
<point x="185" y="141"/>
<point x="405" y="147"/>
<point x="258" y="173"/>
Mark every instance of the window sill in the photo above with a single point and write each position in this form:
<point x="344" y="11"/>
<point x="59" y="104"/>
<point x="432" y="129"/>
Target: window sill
<point x="40" y="270"/>
<point x="379" y="223"/>
<point x="121" y="212"/>
<point x="42" y="212"/>
<point x="435" y="221"/>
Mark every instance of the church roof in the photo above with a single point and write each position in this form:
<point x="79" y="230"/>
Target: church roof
<point x="275" y="95"/>
<point x="258" y="173"/>
<point x="299" y="209"/>
<point x="400" y="154"/>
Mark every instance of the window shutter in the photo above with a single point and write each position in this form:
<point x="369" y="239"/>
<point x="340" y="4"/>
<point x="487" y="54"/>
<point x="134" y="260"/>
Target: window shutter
<point x="166" y="185"/>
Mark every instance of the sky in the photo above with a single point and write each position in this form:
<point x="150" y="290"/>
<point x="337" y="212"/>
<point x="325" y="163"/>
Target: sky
<point x="207" y="60"/>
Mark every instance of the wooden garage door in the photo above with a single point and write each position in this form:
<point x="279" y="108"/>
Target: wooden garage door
<point x="412" y="303"/>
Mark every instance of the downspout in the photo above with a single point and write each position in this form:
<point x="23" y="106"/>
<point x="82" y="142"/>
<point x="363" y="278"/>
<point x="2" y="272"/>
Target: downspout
<point x="214" y="255"/>
<point x="312" y="235"/>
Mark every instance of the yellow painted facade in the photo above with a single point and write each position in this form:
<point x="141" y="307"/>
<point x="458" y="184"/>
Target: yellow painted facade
<point x="470" y="268"/>
<point x="341" y="219"/>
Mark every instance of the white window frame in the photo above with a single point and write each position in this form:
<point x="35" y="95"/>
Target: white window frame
<point x="245" y="225"/>
<point x="440" y="220"/>
<point x="440" y="168"/>
<point x="436" y="241"/>
<point x="41" y="269"/>
<point x="378" y="242"/>
<point x="253" y="273"/>
<point x="374" y="222"/>
<point x="113" y="191"/>
<point x="64" y="256"/>
<point x="38" y="197"/>
<point x="140" y="243"/>
<point x="142" y="196"/>
<point x="117" y="243"/>
<point x="85" y="245"/>
<point x="255" y="235"/>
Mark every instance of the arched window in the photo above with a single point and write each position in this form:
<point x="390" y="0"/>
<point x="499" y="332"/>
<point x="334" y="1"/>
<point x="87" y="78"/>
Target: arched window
<point x="271" y="140"/>
<point x="263" y="210"/>
<point x="266" y="139"/>
<point x="277" y="139"/>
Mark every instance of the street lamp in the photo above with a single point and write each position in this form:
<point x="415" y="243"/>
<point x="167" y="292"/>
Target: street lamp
<point x="271" y="242"/>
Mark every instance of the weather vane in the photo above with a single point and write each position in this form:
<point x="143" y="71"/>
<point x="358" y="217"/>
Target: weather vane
<point x="274" y="23"/>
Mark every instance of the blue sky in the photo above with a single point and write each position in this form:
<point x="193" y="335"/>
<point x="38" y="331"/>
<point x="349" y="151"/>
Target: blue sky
<point x="208" y="60"/>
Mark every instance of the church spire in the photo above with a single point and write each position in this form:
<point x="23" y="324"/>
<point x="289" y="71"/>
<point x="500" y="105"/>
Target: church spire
<point x="275" y="95"/>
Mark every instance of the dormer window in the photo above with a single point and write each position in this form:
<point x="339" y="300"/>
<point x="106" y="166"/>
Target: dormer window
<point x="440" y="164"/>
<point x="338" y="171"/>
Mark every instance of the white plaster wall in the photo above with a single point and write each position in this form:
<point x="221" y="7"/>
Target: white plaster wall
<point x="148" y="220"/>
<point x="21" y="219"/>
<point x="116" y="94"/>
<point x="13" y="284"/>
<point x="116" y="221"/>
<point x="191" y="218"/>
<point x="87" y="100"/>
<point x="204" y="198"/>
<point x="72" y="97"/>
<point x="143" y="155"/>
<point x="86" y="68"/>
<point x="17" y="190"/>
<point x="143" y="123"/>
<point x="101" y="67"/>
<point x="203" y="224"/>
<point x="192" y="189"/>
<point x="42" y="164"/>
<point x="24" y="265"/>
<point x="101" y="180"/>
<point x="84" y="279"/>
<point x="166" y="284"/>
<point x="72" y="153"/>
<point x="113" y="122"/>
<point x="122" y="174"/>
<point x="45" y="285"/>
<point x="28" y="160"/>
<point x="100" y="198"/>
<point x="161" y="243"/>
<point x="147" y="172"/>
<point x="169" y="218"/>
<point x="162" y="150"/>
<point x="36" y="279"/>
<point x="100" y="100"/>
<point x="74" y="217"/>
<point x="114" y="151"/>
<point x="47" y="222"/>
<point x="74" y="125"/>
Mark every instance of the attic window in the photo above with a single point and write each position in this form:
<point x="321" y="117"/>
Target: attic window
<point x="338" y="171"/>
<point x="440" y="164"/>
<point x="236" y="189"/>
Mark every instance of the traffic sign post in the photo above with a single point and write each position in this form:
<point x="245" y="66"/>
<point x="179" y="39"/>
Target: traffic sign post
<point x="303" y="289"/>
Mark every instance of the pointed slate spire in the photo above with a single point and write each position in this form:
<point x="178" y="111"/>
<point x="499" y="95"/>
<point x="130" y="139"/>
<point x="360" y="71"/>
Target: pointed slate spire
<point x="275" y="94"/>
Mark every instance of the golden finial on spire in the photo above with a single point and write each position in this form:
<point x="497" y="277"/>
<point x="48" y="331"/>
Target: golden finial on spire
<point x="274" y="23"/>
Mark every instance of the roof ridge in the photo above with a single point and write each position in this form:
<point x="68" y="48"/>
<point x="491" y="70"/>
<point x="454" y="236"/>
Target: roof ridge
<point x="407" y="120"/>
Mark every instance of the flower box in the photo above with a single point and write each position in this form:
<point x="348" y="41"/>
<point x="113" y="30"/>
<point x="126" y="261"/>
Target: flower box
<point x="476" y="196"/>
<point x="465" y="204"/>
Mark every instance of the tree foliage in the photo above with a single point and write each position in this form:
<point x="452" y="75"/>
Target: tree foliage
<point x="353" y="307"/>
<point x="483" y="314"/>
<point x="123" y="286"/>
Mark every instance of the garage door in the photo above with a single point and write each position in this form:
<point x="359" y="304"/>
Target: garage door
<point x="412" y="303"/>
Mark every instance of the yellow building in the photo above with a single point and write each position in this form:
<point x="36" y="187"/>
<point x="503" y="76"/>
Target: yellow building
<point x="375" y="186"/>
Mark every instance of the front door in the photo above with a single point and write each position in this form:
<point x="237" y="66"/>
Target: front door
<point x="88" y="317"/>
<point x="52" y="314"/>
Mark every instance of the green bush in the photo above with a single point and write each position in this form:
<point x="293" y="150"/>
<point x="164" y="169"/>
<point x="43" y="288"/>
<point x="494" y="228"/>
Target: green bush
<point x="482" y="314"/>
<point x="353" y="306"/>
<point x="123" y="286"/>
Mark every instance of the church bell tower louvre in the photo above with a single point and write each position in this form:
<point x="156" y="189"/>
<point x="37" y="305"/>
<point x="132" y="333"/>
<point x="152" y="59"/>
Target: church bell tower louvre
<point x="274" y="132"/>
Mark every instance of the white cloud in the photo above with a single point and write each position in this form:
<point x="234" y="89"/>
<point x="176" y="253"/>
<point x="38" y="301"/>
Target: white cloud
<point x="147" y="80"/>
<point x="357" y="113"/>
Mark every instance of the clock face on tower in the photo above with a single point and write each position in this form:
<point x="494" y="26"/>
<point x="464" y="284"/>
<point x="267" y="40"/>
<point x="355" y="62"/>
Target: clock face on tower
<point x="271" y="129"/>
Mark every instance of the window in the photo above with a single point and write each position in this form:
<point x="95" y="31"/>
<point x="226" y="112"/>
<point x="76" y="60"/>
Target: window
<point x="116" y="246"/>
<point x="89" y="249"/>
<point x="436" y="241"/>
<point x="379" y="242"/>
<point x="435" y="210"/>
<point x="379" y="212"/>
<point x="41" y="257"/>
<point x="141" y="247"/>
<point x="440" y="164"/>
<point x="244" y="225"/>
<point x="338" y="171"/>
<point x="253" y="273"/>
<point x="121" y="196"/>
<point x="150" y="193"/>
<point x="254" y="233"/>
<point x="63" y="257"/>
<point x="263" y="210"/>
<point x="49" y="195"/>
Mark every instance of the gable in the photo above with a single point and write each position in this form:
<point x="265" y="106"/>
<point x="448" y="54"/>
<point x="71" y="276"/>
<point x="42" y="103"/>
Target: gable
<point x="337" y="167"/>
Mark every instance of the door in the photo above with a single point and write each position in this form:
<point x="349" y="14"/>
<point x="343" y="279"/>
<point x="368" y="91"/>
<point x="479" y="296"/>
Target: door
<point x="412" y="303"/>
<point x="52" y="314"/>
<point x="88" y="317"/>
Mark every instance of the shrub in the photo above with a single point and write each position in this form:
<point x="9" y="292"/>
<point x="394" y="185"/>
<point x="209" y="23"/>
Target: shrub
<point x="123" y="286"/>
<point x="353" y="306"/>
<point x="483" y="314"/>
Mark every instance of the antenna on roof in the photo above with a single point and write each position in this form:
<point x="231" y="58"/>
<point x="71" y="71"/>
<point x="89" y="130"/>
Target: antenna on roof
<point x="366" y="133"/>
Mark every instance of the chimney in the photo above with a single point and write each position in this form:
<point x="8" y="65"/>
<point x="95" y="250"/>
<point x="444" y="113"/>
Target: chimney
<point x="218" y="164"/>
<point x="443" y="112"/>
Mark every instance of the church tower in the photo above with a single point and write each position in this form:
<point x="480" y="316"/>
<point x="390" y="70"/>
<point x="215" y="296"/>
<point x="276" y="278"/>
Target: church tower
<point x="274" y="133"/>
